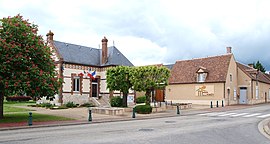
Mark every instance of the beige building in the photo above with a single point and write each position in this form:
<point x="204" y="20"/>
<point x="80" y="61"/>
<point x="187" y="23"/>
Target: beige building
<point x="83" y="70"/>
<point x="217" y="78"/>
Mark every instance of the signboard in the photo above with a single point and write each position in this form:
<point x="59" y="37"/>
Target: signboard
<point x="130" y="99"/>
<point x="204" y="90"/>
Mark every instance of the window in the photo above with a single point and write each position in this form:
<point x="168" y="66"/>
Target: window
<point x="76" y="84"/>
<point x="201" y="77"/>
<point x="234" y="94"/>
<point x="230" y="77"/>
<point x="257" y="92"/>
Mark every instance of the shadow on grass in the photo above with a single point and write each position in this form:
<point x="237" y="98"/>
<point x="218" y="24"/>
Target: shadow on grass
<point x="23" y="117"/>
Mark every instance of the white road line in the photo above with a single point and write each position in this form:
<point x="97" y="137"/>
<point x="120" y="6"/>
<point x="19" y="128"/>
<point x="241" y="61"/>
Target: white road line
<point x="212" y="114"/>
<point x="241" y="114"/>
<point x="264" y="116"/>
<point x="227" y="114"/>
<point x="255" y="114"/>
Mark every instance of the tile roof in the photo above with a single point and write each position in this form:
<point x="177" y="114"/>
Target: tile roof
<point x="251" y="72"/>
<point x="186" y="71"/>
<point x="89" y="56"/>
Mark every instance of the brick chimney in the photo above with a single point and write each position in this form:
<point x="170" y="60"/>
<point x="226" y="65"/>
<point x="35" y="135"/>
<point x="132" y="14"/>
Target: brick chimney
<point x="251" y="65"/>
<point x="49" y="36"/>
<point x="229" y="50"/>
<point x="104" y="50"/>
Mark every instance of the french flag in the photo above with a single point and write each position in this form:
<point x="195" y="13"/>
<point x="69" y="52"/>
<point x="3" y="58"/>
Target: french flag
<point x="92" y="75"/>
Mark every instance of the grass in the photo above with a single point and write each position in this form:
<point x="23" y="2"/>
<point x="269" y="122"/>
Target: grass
<point x="23" y="117"/>
<point x="13" y="114"/>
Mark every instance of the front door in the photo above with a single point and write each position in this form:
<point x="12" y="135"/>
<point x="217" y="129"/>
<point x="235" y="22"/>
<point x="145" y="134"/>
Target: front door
<point x="243" y="95"/>
<point x="94" y="89"/>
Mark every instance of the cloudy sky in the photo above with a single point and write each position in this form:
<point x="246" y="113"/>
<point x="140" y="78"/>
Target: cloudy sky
<point x="152" y="31"/>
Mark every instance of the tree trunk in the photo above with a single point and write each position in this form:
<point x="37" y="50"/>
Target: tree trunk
<point x="125" y="99"/>
<point x="148" y="96"/>
<point x="1" y="104"/>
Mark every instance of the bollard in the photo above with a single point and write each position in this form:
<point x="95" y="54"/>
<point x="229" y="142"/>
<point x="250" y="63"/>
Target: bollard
<point x="222" y="103"/>
<point x="133" y="113"/>
<point x="90" y="115"/>
<point x="30" y="119"/>
<point x="217" y="103"/>
<point x="178" y="111"/>
<point x="211" y="104"/>
<point x="159" y="104"/>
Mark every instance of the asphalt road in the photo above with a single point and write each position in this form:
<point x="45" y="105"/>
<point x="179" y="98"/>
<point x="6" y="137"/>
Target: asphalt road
<point x="233" y="127"/>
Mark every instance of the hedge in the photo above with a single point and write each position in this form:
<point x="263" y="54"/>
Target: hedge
<point x="141" y="99"/>
<point x="19" y="98"/>
<point x="116" y="101"/>
<point x="143" y="109"/>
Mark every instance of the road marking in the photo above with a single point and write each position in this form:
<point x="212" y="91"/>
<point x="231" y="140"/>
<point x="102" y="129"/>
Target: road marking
<point x="251" y="115"/>
<point x="212" y="114"/>
<point x="264" y="116"/>
<point x="227" y="114"/>
<point x="241" y="114"/>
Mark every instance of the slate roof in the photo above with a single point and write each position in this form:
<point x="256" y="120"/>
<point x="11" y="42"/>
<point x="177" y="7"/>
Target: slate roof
<point x="185" y="71"/>
<point x="78" y="54"/>
<point x="169" y="66"/>
<point x="251" y="72"/>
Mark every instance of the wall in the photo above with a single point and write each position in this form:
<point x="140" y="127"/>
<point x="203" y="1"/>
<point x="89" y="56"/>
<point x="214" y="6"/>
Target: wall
<point x="231" y="85"/>
<point x="186" y="93"/>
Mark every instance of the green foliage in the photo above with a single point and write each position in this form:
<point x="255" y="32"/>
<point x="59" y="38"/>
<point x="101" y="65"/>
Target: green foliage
<point x="46" y="105"/>
<point x="116" y="101"/>
<point x="141" y="99"/>
<point x="148" y="78"/>
<point x="259" y="66"/>
<point x="118" y="78"/>
<point x="143" y="109"/>
<point x="26" y="64"/>
<point x="87" y="105"/>
<point x="70" y="105"/>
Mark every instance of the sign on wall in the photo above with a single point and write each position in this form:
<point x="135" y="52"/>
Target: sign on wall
<point x="204" y="90"/>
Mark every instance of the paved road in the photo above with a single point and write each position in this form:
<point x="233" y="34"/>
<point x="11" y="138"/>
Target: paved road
<point x="234" y="127"/>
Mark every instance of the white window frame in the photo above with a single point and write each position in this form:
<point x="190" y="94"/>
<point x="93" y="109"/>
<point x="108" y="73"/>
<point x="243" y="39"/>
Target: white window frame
<point x="76" y="84"/>
<point x="234" y="94"/>
<point x="257" y="92"/>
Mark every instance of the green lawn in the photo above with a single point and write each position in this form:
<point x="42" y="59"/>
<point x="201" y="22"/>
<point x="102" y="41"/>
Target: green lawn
<point x="23" y="117"/>
<point x="14" y="114"/>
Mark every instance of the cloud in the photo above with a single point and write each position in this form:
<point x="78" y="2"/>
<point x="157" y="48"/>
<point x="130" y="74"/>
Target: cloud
<point x="156" y="31"/>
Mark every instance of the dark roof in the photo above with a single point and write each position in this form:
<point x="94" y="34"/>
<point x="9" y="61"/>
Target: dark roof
<point x="169" y="66"/>
<point x="186" y="71"/>
<point x="251" y="72"/>
<point x="73" y="53"/>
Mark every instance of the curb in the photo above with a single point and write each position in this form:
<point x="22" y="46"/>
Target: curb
<point x="263" y="127"/>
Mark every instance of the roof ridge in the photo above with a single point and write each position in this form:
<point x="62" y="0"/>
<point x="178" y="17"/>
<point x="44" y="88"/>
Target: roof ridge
<point x="223" y="55"/>
<point x="76" y="45"/>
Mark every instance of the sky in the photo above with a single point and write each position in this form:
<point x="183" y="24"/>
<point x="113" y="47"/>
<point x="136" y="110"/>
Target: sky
<point x="156" y="31"/>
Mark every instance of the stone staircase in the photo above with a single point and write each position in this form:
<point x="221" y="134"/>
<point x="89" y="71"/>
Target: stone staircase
<point x="103" y="101"/>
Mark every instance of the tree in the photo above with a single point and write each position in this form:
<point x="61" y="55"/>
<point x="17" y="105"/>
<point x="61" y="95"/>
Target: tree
<point x="26" y="64"/>
<point x="149" y="78"/>
<point x="259" y="66"/>
<point x="118" y="78"/>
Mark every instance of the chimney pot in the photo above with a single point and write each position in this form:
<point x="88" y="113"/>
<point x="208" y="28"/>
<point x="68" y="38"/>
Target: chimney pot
<point x="229" y="50"/>
<point x="50" y="36"/>
<point x="251" y="65"/>
<point x="104" y="50"/>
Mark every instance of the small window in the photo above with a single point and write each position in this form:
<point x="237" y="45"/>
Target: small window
<point x="230" y="77"/>
<point x="201" y="77"/>
<point x="257" y="92"/>
<point x="76" y="84"/>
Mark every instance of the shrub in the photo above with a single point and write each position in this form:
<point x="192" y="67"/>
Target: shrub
<point x="46" y="105"/>
<point x="116" y="101"/>
<point x="141" y="99"/>
<point x="19" y="98"/>
<point x="143" y="109"/>
<point x="71" y="105"/>
<point x="87" y="105"/>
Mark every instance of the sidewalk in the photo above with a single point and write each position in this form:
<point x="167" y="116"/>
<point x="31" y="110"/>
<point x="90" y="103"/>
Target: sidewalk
<point x="80" y="116"/>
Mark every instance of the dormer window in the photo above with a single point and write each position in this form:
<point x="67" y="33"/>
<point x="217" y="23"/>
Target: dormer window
<point x="201" y="74"/>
